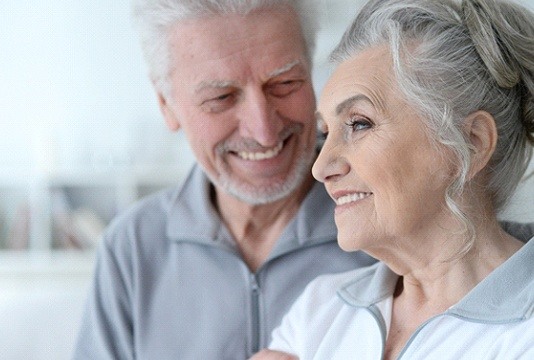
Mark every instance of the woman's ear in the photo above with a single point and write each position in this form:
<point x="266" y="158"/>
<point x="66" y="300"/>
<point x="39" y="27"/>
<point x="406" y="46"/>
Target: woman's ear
<point x="482" y="131"/>
<point x="168" y="114"/>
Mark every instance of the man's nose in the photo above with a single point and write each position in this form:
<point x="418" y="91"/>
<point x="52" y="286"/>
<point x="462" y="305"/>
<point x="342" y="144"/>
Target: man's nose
<point x="259" y="119"/>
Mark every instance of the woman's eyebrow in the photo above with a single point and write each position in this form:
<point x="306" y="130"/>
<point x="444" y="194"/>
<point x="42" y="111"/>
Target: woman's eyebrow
<point x="345" y="104"/>
<point x="318" y="116"/>
<point x="320" y="121"/>
<point x="342" y="107"/>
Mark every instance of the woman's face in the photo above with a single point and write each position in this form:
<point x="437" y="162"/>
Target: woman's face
<point x="378" y="164"/>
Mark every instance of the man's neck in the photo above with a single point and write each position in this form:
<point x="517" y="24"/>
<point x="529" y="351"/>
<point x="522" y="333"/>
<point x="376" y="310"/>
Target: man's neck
<point x="256" y="228"/>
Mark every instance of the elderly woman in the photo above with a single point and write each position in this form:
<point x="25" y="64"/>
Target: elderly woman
<point x="429" y="119"/>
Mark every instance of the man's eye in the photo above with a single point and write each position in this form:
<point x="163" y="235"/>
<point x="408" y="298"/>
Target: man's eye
<point x="284" y="88"/>
<point x="221" y="97"/>
<point x="219" y="103"/>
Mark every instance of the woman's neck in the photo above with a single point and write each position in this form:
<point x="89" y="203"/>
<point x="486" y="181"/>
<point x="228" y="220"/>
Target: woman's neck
<point x="431" y="284"/>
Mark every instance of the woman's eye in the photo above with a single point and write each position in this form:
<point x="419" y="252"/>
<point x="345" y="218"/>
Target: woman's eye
<point x="358" y="123"/>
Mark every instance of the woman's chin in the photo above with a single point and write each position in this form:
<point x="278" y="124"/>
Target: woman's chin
<point x="349" y="244"/>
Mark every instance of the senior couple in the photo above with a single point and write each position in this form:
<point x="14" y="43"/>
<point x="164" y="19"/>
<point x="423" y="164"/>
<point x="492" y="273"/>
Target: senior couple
<point x="428" y="120"/>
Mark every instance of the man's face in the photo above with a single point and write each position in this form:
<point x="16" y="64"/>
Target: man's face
<point x="242" y="93"/>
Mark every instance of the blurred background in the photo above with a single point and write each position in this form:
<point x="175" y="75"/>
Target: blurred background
<point x="81" y="138"/>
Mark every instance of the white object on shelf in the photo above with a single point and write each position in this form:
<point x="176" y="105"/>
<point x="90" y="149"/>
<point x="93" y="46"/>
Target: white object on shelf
<point x="81" y="201"/>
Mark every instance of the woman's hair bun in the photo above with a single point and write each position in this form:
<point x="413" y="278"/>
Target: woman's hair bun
<point x="504" y="41"/>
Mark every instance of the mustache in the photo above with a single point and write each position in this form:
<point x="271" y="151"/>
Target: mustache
<point x="251" y="145"/>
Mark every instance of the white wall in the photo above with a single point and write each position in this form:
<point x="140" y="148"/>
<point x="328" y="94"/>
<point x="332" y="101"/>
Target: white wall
<point x="74" y="90"/>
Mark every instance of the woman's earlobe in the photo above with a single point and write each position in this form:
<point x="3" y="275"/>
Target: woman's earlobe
<point x="482" y="132"/>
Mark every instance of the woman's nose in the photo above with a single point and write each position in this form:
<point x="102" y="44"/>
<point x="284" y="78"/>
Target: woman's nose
<point x="330" y="165"/>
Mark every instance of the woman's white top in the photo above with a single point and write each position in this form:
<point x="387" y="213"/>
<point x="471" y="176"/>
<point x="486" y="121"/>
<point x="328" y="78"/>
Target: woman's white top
<point x="347" y="316"/>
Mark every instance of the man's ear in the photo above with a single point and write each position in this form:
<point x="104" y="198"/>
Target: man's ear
<point x="482" y="131"/>
<point x="168" y="114"/>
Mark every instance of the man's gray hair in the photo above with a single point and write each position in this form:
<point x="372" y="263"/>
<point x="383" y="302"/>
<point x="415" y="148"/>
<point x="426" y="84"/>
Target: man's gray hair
<point x="452" y="58"/>
<point x="153" y="19"/>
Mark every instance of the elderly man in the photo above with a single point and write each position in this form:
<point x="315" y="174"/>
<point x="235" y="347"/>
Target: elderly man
<point x="206" y="270"/>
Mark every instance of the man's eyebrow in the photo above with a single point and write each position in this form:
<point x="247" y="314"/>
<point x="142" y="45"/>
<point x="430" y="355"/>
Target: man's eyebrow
<point x="213" y="84"/>
<point x="344" y="105"/>
<point x="284" y="69"/>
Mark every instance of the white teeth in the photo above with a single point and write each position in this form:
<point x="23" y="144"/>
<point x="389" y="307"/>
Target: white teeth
<point x="351" y="198"/>
<point x="262" y="155"/>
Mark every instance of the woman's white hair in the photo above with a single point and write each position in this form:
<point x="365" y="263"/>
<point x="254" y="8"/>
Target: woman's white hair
<point x="153" y="19"/>
<point x="452" y="58"/>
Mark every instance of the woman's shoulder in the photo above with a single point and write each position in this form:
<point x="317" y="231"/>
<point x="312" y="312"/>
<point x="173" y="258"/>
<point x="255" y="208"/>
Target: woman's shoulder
<point x="317" y="311"/>
<point x="325" y="287"/>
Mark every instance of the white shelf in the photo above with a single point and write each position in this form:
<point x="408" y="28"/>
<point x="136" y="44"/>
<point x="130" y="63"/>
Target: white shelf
<point x="68" y="209"/>
<point x="47" y="264"/>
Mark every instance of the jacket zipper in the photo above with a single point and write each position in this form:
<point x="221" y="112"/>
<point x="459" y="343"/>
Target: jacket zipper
<point x="255" y="309"/>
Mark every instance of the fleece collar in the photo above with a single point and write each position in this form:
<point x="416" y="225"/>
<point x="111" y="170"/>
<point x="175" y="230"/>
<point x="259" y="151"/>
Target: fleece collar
<point x="192" y="218"/>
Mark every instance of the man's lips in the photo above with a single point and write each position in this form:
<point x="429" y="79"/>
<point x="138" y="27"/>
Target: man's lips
<point x="263" y="155"/>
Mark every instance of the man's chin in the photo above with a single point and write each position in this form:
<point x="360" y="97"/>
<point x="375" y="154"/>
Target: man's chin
<point x="265" y="190"/>
<point x="259" y="195"/>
